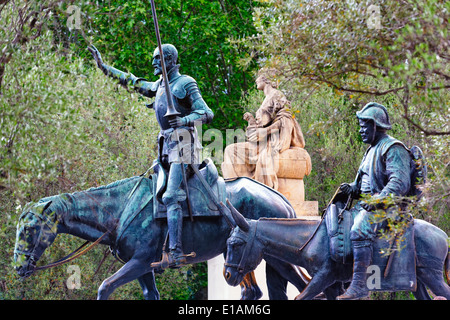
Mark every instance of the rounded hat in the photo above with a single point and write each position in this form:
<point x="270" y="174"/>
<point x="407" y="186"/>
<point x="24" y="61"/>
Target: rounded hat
<point x="376" y="112"/>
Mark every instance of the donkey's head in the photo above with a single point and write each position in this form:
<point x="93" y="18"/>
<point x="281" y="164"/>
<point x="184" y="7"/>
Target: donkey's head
<point x="244" y="252"/>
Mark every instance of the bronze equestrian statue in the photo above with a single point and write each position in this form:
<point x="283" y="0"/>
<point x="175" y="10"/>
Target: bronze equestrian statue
<point x="174" y="153"/>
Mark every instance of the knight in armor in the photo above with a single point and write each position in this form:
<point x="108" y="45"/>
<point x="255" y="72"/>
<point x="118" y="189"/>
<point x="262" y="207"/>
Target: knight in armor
<point x="174" y="153"/>
<point x="384" y="170"/>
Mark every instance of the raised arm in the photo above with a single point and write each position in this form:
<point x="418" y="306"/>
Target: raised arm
<point x="144" y="87"/>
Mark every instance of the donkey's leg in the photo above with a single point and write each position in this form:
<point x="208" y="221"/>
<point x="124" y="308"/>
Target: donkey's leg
<point x="434" y="279"/>
<point x="147" y="282"/>
<point x="321" y="281"/>
<point x="278" y="273"/>
<point x="130" y="271"/>
<point x="249" y="287"/>
<point x="421" y="292"/>
<point x="276" y="284"/>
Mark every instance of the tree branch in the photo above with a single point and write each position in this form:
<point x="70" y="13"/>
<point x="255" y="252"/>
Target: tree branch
<point x="425" y="131"/>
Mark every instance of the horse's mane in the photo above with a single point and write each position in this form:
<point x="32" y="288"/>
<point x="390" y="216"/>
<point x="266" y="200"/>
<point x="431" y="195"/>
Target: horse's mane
<point x="287" y="219"/>
<point x="104" y="187"/>
<point x="111" y="185"/>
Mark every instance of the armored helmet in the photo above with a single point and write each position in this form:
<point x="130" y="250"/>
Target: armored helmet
<point x="376" y="112"/>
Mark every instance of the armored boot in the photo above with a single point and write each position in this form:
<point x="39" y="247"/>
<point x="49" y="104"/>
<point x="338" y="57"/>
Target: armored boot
<point x="172" y="198"/>
<point x="362" y="255"/>
<point x="175" y="223"/>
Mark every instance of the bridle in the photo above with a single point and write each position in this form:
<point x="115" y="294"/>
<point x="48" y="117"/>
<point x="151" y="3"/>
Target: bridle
<point x="249" y="243"/>
<point x="44" y="220"/>
<point x="85" y="247"/>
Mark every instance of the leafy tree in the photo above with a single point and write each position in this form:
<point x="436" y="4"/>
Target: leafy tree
<point x="332" y="57"/>
<point x="22" y="21"/>
<point x="123" y="31"/>
<point x="396" y="48"/>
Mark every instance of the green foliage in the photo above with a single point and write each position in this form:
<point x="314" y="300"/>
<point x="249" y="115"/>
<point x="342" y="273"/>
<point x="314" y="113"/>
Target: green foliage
<point x="331" y="59"/>
<point x="185" y="283"/>
<point x="124" y="34"/>
<point x="65" y="127"/>
<point x="58" y="115"/>
<point x="338" y="44"/>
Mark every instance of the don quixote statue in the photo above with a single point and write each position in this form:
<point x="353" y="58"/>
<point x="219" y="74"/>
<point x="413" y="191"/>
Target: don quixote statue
<point x="141" y="218"/>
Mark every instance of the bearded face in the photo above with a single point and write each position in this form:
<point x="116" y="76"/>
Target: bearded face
<point x="170" y="58"/>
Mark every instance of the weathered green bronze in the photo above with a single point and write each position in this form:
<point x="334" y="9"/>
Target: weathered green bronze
<point x="135" y="225"/>
<point x="325" y="249"/>
<point x="306" y="243"/>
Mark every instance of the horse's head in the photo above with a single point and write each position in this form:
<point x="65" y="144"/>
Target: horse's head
<point x="244" y="252"/>
<point x="35" y="232"/>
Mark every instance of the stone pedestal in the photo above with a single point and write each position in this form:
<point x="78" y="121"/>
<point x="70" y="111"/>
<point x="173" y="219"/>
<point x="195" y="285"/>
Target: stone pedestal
<point x="276" y="126"/>
<point x="218" y="289"/>
<point x="294" y="165"/>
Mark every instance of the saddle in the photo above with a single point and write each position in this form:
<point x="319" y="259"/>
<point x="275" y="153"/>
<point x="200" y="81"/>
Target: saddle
<point x="395" y="272"/>
<point x="200" y="202"/>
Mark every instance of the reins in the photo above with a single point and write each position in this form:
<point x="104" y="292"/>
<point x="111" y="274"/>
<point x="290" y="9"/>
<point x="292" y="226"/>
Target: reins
<point x="323" y="217"/>
<point x="84" y="248"/>
<point x="75" y="254"/>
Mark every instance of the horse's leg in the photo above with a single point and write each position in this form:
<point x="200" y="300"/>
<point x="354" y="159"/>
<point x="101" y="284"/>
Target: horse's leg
<point x="130" y="271"/>
<point x="147" y="282"/>
<point x="434" y="279"/>
<point x="249" y="287"/>
<point x="421" y="292"/>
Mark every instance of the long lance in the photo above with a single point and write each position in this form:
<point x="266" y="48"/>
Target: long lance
<point x="171" y="111"/>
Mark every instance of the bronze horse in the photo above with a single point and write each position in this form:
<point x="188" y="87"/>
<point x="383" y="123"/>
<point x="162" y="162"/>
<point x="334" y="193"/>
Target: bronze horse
<point x="98" y="212"/>
<point x="285" y="239"/>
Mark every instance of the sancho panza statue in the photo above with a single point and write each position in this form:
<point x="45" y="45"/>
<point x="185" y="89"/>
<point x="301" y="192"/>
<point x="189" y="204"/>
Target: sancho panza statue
<point x="192" y="108"/>
<point x="385" y="169"/>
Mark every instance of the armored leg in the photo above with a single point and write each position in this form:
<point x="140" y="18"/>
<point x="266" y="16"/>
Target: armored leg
<point x="175" y="225"/>
<point x="172" y="198"/>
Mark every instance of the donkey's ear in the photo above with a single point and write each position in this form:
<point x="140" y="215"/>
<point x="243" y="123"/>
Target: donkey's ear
<point x="238" y="218"/>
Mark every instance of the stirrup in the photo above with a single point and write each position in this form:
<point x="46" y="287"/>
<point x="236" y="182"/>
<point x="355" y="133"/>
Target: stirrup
<point x="163" y="264"/>
<point x="169" y="261"/>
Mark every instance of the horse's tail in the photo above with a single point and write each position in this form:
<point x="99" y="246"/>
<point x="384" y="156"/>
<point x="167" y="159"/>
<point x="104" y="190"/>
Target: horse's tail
<point x="447" y="266"/>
